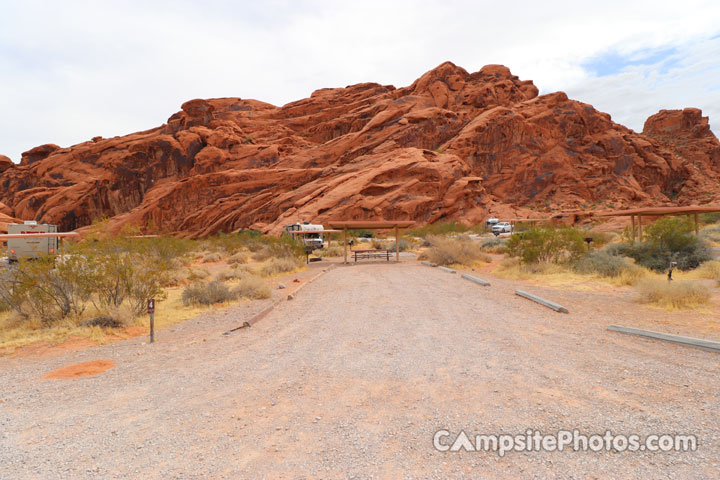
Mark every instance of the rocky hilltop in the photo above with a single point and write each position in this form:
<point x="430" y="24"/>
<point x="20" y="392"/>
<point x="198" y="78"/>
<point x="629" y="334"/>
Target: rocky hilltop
<point x="453" y="145"/>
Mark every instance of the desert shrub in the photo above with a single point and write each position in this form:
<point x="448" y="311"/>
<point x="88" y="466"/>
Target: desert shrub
<point x="168" y="252"/>
<point x="361" y="233"/>
<point x="212" y="257"/>
<point x="674" y="295"/>
<point x="710" y="217"/>
<point x="404" y="245"/>
<point x="173" y="278"/>
<point x="197" y="274"/>
<point x="238" y="258"/>
<point x="206" y="293"/>
<point x="377" y="244"/>
<point x="275" y="266"/>
<point x="251" y="286"/>
<point x="657" y="257"/>
<point x="283" y="247"/>
<point x="709" y="270"/>
<point x="238" y="272"/>
<point x="601" y="263"/>
<point x="453" y="251"/>
<point x="494" y="245"/>
<point x="103" y="322"/>
<point x="546" y="245"/>
<point x="439" y="228"/>
<point x="711" y="234"/>
<point x="333" y="251"/>
<point x="599" y="239"/>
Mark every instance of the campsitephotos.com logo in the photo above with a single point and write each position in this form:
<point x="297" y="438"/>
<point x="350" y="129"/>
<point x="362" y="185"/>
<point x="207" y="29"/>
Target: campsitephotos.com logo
<point x="563" y="440"/>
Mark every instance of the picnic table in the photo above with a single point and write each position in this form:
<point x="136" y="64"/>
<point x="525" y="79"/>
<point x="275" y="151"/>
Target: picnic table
<point x="368" y="254"/>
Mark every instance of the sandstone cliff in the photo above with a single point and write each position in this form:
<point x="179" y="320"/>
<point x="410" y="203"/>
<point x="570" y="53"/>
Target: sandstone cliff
<point x="453" y="145"/>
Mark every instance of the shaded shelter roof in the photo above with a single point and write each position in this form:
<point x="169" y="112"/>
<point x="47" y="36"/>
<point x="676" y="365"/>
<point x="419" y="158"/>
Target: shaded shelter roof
<point x="689" y="210"/>
<point x="369" y="224"/>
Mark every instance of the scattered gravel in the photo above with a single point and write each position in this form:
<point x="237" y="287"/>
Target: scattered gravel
<point x="352" y="379"/>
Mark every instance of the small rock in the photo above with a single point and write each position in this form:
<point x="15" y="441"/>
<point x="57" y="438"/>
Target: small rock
<point x="291" y="296"/>
<point x="281" y="286"/>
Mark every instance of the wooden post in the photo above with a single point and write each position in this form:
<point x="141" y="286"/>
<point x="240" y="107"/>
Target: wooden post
<point x="397" y="244"/>
<point x="345" y="242"/>
<point x="632" y="219"/>
<point x="697" y="226"/>
<point x="640" y="228"/>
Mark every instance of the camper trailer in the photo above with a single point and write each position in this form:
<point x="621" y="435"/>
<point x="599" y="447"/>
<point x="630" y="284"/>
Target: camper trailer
<point x="29" y="247"/>
<point x="311" y="239"/>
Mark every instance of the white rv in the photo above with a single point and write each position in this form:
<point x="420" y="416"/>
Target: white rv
<point x="310" y="239"/>
<point x="29" y="247"/>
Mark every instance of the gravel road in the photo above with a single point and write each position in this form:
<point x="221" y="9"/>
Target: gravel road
<point x="351" y="379"/>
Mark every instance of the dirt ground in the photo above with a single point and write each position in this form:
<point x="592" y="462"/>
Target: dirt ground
<point x="352" y="378"/>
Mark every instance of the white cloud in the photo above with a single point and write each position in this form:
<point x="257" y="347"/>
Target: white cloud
<point x="75" y="69"/>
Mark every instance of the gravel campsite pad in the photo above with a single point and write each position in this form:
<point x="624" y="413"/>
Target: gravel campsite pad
<point x="352" y="378"/>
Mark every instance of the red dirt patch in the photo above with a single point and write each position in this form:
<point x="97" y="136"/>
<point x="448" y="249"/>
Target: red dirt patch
<point x="81" y="369"/>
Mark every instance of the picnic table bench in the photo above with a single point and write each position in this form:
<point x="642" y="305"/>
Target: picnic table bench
<point x="361" y="254"/>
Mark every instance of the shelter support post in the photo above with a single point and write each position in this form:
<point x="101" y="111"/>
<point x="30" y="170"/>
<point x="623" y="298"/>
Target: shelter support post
<point x="640" y="237"/>
<point x="397" y="244"/>
<point x="697" y="226"/>
<point x="345" y="245"/>
<point x="632" y="220"/>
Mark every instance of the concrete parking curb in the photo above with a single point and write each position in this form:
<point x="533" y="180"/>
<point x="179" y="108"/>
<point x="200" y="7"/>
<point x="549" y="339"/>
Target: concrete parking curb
<point x="555" y="306"/>
<point x="668" y="337"/>
<point x="259" y="316"/>
<point x="429" y="264"/>
<point x="475" y="279"/>
<point x="445" y="269"/>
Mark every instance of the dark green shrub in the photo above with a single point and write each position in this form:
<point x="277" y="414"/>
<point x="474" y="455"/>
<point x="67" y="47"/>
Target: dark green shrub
<point x="602" y="263"/>
<point x="494" y="245"/>
<point x="669" y="239"/>
<point x="404" y="246"/>
<point x="546" y="244"/>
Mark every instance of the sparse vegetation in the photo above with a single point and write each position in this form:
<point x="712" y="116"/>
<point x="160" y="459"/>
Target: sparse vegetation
<point x="212" y="257"/>
<point x="276" y="266"/>
<point x="440" y="228"/>
<point x="404" y="245"/>
<point x="675" y="295"/>
<point x="669" y="239"/>
<point x="494" y="245"/>
<point x="546" y="245"/>
<point x="207" y="293"/>
<point x="453" y="251"/>
<point x="252" y="287"/>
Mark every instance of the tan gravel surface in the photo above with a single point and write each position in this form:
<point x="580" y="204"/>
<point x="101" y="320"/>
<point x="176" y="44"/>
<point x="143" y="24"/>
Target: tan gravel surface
<point x="352" y="378"/>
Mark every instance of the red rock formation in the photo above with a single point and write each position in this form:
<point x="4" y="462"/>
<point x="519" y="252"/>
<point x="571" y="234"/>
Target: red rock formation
<point x="453" y="145"/>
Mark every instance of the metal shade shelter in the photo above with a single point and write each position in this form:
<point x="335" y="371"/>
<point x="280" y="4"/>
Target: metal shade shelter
<point x="395" y="225"/>
<point x="693" y="210"/>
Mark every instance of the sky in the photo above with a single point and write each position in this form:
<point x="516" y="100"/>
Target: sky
<point x="71" y="70"/>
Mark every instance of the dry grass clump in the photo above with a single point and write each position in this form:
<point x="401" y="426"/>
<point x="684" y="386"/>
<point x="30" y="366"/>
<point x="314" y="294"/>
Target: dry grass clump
<point x="197" y="274"/>
<point x="212" y="257"/>
<point x="333" y="251"/>
<point x="276" y="266"/>
<point x="675" y="295"/>
<point x="709" y="270"/>
<point x="253" y="287"/>
<point x="494" y="245"/>
<point x="238" y="258"/>
<point x="206" y="293"/>
<point x="454" y="251"/>
<point x="240" y="271"/>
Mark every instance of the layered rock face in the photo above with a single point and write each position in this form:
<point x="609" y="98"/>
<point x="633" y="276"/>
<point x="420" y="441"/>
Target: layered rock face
<point x="453" y="145"/>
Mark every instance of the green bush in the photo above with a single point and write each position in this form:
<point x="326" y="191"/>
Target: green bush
<point x="207" y="293"/>
<point x="712" y="217"/>
<point x="547" y="244"/>
<point x="669" y="239"/>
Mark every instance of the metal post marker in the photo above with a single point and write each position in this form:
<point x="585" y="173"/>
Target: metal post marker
<point x="151" y="311"/>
